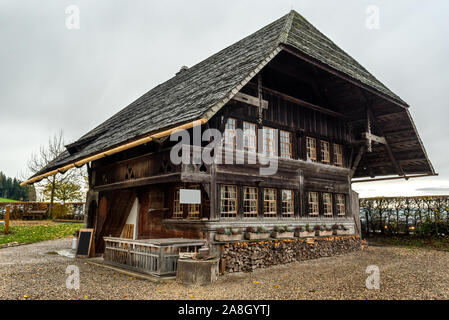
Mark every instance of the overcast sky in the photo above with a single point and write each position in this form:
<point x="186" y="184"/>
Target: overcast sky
<point x="53" y="78"/>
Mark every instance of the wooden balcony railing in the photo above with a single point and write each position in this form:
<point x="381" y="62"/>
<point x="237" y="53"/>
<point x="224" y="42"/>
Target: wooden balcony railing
<point x="158" y="257"/>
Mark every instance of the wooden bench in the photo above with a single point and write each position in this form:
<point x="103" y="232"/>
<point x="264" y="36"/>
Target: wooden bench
<point x="34" y="215"/>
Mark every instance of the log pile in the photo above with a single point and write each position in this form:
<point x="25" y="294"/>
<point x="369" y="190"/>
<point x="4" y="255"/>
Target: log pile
<point x="247" y="256"/>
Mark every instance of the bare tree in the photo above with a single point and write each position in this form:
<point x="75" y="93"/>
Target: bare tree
<point x="49" y="186"/>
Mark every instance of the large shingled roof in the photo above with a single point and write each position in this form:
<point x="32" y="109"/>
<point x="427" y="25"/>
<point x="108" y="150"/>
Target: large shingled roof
<point x="193" y="93"/>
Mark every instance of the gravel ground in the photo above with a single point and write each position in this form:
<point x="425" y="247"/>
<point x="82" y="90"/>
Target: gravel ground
<point x="30" y="272"/>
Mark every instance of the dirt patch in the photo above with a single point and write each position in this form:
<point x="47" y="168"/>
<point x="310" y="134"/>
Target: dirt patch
<point x="404" y="274"/>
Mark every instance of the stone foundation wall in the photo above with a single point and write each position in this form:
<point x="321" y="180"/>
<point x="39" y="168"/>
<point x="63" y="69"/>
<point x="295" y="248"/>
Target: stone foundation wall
<point x="248" y="256"/>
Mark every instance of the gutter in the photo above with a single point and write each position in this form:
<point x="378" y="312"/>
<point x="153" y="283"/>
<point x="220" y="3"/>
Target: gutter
<point x="397" y="178"/>
<point x="115" y="150"/>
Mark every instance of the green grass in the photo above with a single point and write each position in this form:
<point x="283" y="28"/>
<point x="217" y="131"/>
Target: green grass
<point x="7" y="200"/>
<point x="438" y="243"/>
<point x="36" y="233"/>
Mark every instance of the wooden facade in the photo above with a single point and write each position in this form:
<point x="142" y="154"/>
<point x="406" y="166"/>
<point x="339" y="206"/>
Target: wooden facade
<point x="148" y="174"/>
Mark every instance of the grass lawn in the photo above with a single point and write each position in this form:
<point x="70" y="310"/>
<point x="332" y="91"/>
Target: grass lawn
<point x="7" y="200"/>
<point x="438" y="243"/>
<point x="36" y="233"/>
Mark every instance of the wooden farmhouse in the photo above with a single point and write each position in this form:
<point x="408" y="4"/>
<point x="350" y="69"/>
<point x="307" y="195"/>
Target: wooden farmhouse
<point x="294" y="98"/>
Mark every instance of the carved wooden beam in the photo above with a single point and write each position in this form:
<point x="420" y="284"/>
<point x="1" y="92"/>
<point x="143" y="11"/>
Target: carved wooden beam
<point x="246" y="98"/>
<point x="373" y="138"/>
<point x="259" y="90"/>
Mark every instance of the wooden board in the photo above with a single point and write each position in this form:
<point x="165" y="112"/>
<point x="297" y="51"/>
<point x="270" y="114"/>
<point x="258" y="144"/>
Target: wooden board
<point x="83" y="249"/>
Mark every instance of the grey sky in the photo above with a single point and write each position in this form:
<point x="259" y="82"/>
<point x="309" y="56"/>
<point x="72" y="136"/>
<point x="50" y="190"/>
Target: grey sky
<point x="53" y="78"/>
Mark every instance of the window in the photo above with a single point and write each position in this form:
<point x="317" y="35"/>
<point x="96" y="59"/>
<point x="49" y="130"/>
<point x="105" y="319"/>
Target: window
<point x="338" y="155"/>
<point x="286" y="144"/>
<point x="269" y="143"/>
<point x="270" y="210"/>
<point x="193" y="210"/>
<point x="249" y="136"/>
<point x="228" y="201"/>
<point x="250" y="202"/>
<point x="325" y="152"/>
<point x="287" y="203"/>
<point x="327" y="205"/>
<point x="177" y="207"/>
<point x="230" y="138"/>
<point x="313" y="204"/>
<point x="311" y="149"/>
<point x="341" y="205"/>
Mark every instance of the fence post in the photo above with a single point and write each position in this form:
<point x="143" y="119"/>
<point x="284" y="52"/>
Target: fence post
<point x="8" y="208"/>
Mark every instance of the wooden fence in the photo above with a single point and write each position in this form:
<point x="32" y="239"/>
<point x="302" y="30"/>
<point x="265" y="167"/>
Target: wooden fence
<point x="425" y="215"/>
<point x="39" y="210"/>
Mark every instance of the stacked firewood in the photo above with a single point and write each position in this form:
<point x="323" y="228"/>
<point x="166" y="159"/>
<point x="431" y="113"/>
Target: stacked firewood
<point x="246" y="257"/>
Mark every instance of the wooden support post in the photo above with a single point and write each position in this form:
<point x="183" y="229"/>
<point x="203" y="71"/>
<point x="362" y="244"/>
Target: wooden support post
<point x="357" y="161"/>
<point x="7" y="216"/>
<point x="388" y="148"/>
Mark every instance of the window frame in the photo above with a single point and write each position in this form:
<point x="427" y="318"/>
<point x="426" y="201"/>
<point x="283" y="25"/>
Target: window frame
<point x="286" y="144"/>
<point x="323" y="151"/>
<point x="193" y="210"/>
<point x="251" y="214"/>
<point x="287" y="203"/>
<point x="177" y="205"/>
<point x="227" y="133"/>
<point x="340" y="205"/>
<point x="250" y="136"/>
<point x="313" y="213"/>
<point x="229" y="214"/>
<point x="328" y="212"/>
<point x="273" y="145"/>
<point x="270" y="204"/>
<point x="338" y="157"/>
<point x="308" y="147"/>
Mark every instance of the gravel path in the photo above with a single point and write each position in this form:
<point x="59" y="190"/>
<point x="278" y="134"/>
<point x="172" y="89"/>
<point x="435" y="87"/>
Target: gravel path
<point x="29" y="272"/>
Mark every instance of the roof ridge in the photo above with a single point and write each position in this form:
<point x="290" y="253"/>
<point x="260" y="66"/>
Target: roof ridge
<point x="286" y="29"/>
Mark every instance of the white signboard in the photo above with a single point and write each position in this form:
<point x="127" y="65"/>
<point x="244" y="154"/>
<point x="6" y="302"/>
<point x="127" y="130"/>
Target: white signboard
<point x="187" y="196"/>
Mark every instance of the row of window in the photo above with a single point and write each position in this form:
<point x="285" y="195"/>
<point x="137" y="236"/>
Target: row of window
<point x="285" y="141"/>
<point x="311" y="145"/>
<point x="328" y="204"/>
<point x="229" y="202"/>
